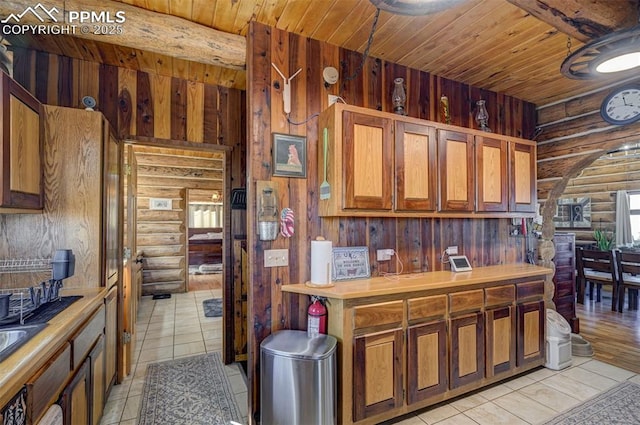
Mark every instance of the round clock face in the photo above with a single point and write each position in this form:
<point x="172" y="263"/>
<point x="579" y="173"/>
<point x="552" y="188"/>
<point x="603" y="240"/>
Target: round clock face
<point x="622" y="106"/>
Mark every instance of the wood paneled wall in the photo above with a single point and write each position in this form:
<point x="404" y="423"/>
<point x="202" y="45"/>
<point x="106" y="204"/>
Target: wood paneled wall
<point x="418" y="242"/>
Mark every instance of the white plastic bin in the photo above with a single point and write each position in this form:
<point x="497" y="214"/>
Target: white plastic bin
<point x="558" y="343"/>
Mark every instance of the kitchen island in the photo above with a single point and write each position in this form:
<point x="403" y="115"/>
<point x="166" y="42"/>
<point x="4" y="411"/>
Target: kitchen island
<point x="60" y="362"/>
<point x="409" y="341"/>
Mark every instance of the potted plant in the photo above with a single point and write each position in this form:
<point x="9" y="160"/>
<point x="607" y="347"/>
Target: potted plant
<point x="605" y="241"/>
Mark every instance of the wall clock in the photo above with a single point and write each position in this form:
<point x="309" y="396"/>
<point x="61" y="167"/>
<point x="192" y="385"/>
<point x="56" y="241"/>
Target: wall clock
<point x="622" y="105"/>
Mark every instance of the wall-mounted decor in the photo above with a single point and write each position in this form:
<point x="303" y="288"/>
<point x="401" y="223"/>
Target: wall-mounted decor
<point x="573" y="213"/>
<point x="289" y="155"/>
<point x="351" y="263"/>
<point x="160" y="204"/>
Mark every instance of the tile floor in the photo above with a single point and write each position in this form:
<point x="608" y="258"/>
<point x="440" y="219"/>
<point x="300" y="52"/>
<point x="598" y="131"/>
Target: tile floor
<point x="176" y="327"/>
<point x="533" y="398"/>
<point x="168" y="329"/>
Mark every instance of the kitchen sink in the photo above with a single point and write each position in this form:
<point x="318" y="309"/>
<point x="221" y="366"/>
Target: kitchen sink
<point x="11" y="338"/>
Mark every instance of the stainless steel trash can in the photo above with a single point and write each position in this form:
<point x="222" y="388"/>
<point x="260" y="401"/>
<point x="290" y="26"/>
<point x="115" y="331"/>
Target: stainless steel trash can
<point x="298" y="379"/>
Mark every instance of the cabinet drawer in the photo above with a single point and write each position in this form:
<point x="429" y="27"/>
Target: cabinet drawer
<point x="378" y="314"/>
<point x="500" y="295"/>
<point x="466" y="301"/>
<point x="427" y="307"/>
<point x="83" y="341"/>
<point x="45" y="386"/>
<point x="530" y="290"/>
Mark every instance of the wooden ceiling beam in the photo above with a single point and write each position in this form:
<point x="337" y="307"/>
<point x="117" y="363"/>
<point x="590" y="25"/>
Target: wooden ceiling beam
<point x="584" y="20"/>
<point x="142" y="29"/>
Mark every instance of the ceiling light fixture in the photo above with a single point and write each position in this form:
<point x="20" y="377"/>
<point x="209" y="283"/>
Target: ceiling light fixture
<point x="615" y="52"/>
<point x="414" y="7"/>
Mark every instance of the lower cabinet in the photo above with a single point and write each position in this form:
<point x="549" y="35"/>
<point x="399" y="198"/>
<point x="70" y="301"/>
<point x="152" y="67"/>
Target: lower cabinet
<point x="426" y="350"/>
<point x="501" y="340"/>
<point x="416" y="351"/>
<point x="111" y="337"/>
<point x="76" y="397"/>
<point x="531" y="319"/>
<point x="466" y="339"/>
<point x="98" y="378"/>
<point x="377" y="373"/>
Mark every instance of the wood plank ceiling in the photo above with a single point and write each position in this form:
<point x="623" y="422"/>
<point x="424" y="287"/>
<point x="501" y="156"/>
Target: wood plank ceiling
<point x="491" y="44"/>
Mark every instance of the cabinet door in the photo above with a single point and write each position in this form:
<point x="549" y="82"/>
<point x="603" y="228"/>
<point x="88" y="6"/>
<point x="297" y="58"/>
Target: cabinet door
<point x="111" y="337"/>
<point x="97" y="381"/>
<point x="491" y="174"/>
<point x="21" y="179"/>
<point x="377" y="373"/>
<point x="426" y="361"/>
<point x="530" y="340"/>
<point x="367" y="149"/>
<point x="501" y="340"/>
<point x="76" y="398"/>
<point x="415" y="147"/>
<point x="523" y="178"/>
<point x="455" y="165"/>
<point x="466" y="334"/>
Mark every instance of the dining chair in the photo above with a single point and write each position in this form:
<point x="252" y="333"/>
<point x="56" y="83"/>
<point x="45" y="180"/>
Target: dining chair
<point x="628" y="265"/>
<point x="596" y="268"/>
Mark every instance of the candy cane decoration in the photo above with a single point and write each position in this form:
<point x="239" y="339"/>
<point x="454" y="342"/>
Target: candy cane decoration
<point x="286" y="222"/>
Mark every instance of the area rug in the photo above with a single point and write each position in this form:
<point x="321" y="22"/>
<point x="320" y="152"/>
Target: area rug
<point x="188" y="391"/>
<point x="212" y="307"/>
<point x="619" y="405"/>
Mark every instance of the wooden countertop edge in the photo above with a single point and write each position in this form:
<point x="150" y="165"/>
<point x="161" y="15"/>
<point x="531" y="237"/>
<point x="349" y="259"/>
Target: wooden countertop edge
<point x="16" y="369"/>
<point x="414" y="282"/>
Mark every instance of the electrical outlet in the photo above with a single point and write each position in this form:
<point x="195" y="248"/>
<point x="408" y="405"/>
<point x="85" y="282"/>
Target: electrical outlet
<point x="384" y="254"/>
<point x="452" y="250"/>
<point x="332" y="99"/>
<point x="276" y="257"/>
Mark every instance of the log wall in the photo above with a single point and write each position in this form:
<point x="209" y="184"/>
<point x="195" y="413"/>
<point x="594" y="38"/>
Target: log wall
<point x="572" y="136"/>
<point x="418" y="242"/>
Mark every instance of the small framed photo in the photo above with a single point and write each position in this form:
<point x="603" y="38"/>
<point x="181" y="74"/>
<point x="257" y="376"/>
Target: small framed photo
<point x="289" y="155"/>
<point x="160" y="204"/>
<point x="351" y="263"/>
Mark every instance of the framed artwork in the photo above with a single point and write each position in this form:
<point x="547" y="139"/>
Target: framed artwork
<point x="350" y="263"/>
<point x="289" y="155"/>
<point x="160" y="204"/>
<point x="573" y="213"/>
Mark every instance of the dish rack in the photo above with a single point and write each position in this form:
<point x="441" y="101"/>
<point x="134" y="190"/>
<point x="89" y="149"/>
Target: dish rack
<point x="23" y="301"/>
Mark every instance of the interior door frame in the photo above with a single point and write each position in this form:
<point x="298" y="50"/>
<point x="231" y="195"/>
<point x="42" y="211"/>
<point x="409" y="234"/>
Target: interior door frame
<point x="227" y="284"/>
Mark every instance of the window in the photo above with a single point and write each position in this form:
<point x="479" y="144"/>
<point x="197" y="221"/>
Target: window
<point x="634" y="206"/>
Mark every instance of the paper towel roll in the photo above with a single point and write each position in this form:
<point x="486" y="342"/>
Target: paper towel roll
<point x="321" y="262"/>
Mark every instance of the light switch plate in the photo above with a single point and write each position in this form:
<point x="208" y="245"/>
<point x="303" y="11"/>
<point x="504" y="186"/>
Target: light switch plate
<point x="276" y="257"/>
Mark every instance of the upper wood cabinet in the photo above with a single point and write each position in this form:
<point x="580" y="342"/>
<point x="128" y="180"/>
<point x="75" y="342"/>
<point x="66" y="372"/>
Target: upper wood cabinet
<point x="491" y="177"/>
<point x="455" y="154"/>
<point x="522" y="159"/>
<point x="367" y="168"/>
<point x="380" y="164"/>
<point x="415" y="162"/>
<point x="21" y="157"/>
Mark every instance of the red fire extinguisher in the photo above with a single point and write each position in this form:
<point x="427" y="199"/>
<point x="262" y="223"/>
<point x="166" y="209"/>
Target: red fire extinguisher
<point x="316" y="317"/>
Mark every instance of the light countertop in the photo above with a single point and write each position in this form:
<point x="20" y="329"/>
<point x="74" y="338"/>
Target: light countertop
<point x="20" y="366"/>
<point x="414" y="282"/>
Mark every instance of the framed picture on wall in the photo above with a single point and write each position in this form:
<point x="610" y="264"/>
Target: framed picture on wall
<point x="289" y="155"/>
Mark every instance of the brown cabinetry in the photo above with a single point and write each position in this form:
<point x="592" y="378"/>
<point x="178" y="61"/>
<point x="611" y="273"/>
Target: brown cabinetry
<point x="531" y="317"/>
<point x="491" y="175"/>
<point x="110" y="337"/>
<point x="21" y="158"/>
<point x="466" y="339"/>
<point x="76" y="397"/>
<point x="522" y="159"/>
<point x="367" y="169"/>
<point x="415" y="167"/>
<point x="455" y="154"/>
<point x="564" y="278"/>
<point x="98" y="393"/>
<point x="381" y="164"/>
<point x="377" y="373"/>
